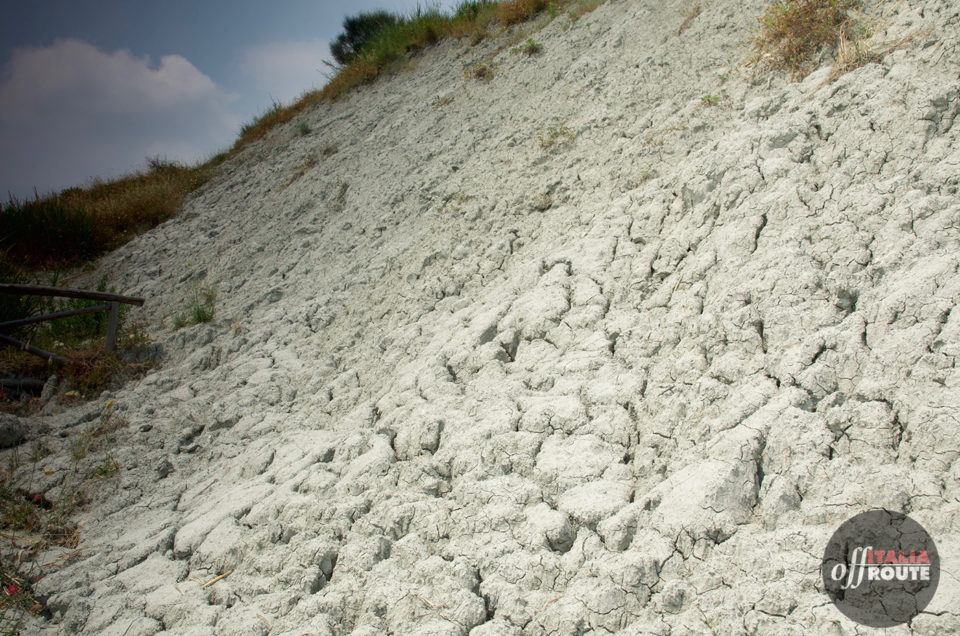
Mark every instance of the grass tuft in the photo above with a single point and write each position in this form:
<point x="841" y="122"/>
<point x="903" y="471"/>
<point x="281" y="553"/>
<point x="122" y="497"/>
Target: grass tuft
<point x="529" y="48"/>
<point x="201" y="307"/>
<point x="854" y="50"/>
<point x="481" y="72"/>
<point x="708" y="101"/>
<point x="557" y="136"/>
<point x="791" y="32"/>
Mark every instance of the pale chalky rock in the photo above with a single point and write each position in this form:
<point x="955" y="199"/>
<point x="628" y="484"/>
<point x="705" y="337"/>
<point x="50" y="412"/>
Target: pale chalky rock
<point x="459" y="383"/>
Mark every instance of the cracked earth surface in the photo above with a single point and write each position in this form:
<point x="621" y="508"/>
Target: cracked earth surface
<point x="458" y="383"/>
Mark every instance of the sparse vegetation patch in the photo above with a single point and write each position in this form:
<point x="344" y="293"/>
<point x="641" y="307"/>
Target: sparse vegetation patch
<point x="709" y="100"/>
<point x="33" y="520"/>
<point x="482" y="72"/>
<point x="201" y="307"/>
<point x="791" y="32"/>
<point x="556" y="136"/>
<point x="528" y="48"/>
<point x="516" y="11"/>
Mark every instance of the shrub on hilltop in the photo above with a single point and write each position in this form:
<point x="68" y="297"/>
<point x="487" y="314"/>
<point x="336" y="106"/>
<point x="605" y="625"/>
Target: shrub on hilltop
<point x="357" y="31"/>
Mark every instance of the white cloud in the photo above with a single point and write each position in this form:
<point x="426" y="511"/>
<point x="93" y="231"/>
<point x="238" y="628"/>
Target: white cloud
<point x="285" y="70"/>
<point x="71" y="112"/>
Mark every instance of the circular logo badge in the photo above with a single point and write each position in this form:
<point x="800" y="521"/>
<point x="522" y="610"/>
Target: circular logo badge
<point x="880" y="568"/>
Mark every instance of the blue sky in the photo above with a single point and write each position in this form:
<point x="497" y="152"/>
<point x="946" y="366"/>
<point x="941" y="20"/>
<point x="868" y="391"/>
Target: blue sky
<point x="91" y="89"/>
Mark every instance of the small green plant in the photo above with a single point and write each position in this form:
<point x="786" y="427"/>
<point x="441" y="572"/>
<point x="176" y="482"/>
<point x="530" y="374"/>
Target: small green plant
<point x="303" y="129"/>
<point x="107" y="469"/>
<point x="644" y="176"/>
<point x="81" y="446"/>
<point x="481" y="72"/>
<point x="557" y="135"/>
<point x="200" y="307"/>
<point x="528" y="48"/>
<point x="709" y="100"/>
<point x="791" y="32"/>
<point x="440" y="102"/>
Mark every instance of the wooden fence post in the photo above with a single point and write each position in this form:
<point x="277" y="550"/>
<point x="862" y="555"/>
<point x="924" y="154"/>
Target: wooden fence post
<point x="112" y="325"/>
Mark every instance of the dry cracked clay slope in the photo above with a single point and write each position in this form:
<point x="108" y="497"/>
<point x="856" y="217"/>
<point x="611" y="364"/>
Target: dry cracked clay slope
<point x="611" y="342"/>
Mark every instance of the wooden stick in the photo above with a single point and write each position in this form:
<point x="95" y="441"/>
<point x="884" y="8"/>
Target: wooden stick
<point x="35" y="351"/>
<point x="65" y="292"/>
<point x="214" y="580"/>
<point x="553" y="600"/>
<point x="428" y="603"/>
<point x="60" y="314"/>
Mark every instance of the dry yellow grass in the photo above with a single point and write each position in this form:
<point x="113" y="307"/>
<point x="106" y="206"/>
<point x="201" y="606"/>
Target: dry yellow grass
<point x="791" y="32"/>
<point x="65" y="229"/>
<point x="360" y="72"/>
<point x="137" y="202"/>
<point x="517" y="11"/>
